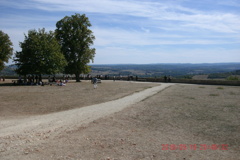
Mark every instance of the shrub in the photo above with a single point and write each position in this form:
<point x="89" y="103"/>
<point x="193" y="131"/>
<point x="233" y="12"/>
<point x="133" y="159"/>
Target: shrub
<point x="233" y="78"/>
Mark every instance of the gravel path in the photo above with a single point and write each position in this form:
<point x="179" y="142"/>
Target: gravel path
<point x="62" y="120"/>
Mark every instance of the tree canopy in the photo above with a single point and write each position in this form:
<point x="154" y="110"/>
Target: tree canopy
<point x="6" y="49"/>
<point x="75" y="38"/>
<point x="41" y="54"/>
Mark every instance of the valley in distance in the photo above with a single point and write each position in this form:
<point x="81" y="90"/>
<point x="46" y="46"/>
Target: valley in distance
<point x="230" y="71"/>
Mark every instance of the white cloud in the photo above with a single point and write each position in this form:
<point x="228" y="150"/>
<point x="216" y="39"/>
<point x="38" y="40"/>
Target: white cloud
<point x="156" y="11"/>
<point x="125" y="27"/>
<point x="115" y="36"/>
<point x="159" y="10"/>
<point x="198" y="55"/>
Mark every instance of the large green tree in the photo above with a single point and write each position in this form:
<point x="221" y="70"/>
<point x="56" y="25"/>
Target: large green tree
<point x="76" y="38"/>
<point x="6" y="49"/>
<point x="41" y="54"/>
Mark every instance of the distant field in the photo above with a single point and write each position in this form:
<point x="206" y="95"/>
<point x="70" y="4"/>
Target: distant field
<point x="178" y="70"/>
<point x="200" y="77"/>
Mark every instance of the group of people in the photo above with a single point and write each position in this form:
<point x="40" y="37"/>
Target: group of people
<point x="31" y="79"/>
<point x="89" y="77"/>
<point x="167" y="79"/>
<point x="37" y="80"/>
<point x="60" y="82"/>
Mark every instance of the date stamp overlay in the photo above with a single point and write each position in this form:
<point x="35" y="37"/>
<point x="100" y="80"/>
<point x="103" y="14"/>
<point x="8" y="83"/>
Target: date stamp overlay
<point x="195" y="147"/>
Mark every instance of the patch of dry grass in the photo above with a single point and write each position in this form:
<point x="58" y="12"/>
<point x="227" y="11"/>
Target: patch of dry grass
<point x="30" y="100"/>
<point x="178" y="115"/>
<point x="181" y="114"/>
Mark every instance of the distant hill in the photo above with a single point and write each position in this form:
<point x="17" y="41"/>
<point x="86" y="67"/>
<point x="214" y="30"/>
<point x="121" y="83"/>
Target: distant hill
<point x="8" y="71"/>
<point x="157" y="70"/>
<point x="178" y="70"/>
<point x="224" y="75"/>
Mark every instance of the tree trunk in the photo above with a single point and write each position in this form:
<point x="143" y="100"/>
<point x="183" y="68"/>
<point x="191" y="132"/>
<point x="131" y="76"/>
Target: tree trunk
<point x="25" y="78"/>
<point x="77" y="78"/>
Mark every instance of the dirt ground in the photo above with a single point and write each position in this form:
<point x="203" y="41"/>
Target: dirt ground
<point x="181" y="122"/>
<point x="34" y="100"/>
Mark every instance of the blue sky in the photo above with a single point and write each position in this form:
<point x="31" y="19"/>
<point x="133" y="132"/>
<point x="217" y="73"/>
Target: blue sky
<point x="138" y="31"/>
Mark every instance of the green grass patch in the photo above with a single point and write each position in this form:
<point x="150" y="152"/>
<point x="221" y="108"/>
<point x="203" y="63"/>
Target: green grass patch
<point x="201" y="87"/>
<point x="220" y="88"/>
<point x="233" y="78"/>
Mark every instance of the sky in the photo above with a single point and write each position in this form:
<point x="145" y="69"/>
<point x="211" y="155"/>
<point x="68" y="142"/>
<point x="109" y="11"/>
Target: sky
<point x="138" y="31"/>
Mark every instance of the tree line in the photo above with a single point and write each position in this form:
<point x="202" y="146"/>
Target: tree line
<point x="66" y="50"/>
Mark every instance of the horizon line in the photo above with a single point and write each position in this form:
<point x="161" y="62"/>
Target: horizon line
<point x="162" y="63"/>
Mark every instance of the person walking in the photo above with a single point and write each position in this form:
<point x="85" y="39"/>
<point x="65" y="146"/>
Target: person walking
<point x="165" y="78"/>
<point x="169" y="78"/>
<point x="95" y="80"/>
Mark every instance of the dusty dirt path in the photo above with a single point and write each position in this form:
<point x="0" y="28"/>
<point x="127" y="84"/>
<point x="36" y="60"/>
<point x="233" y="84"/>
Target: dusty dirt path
<point x="67" y="119"/>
